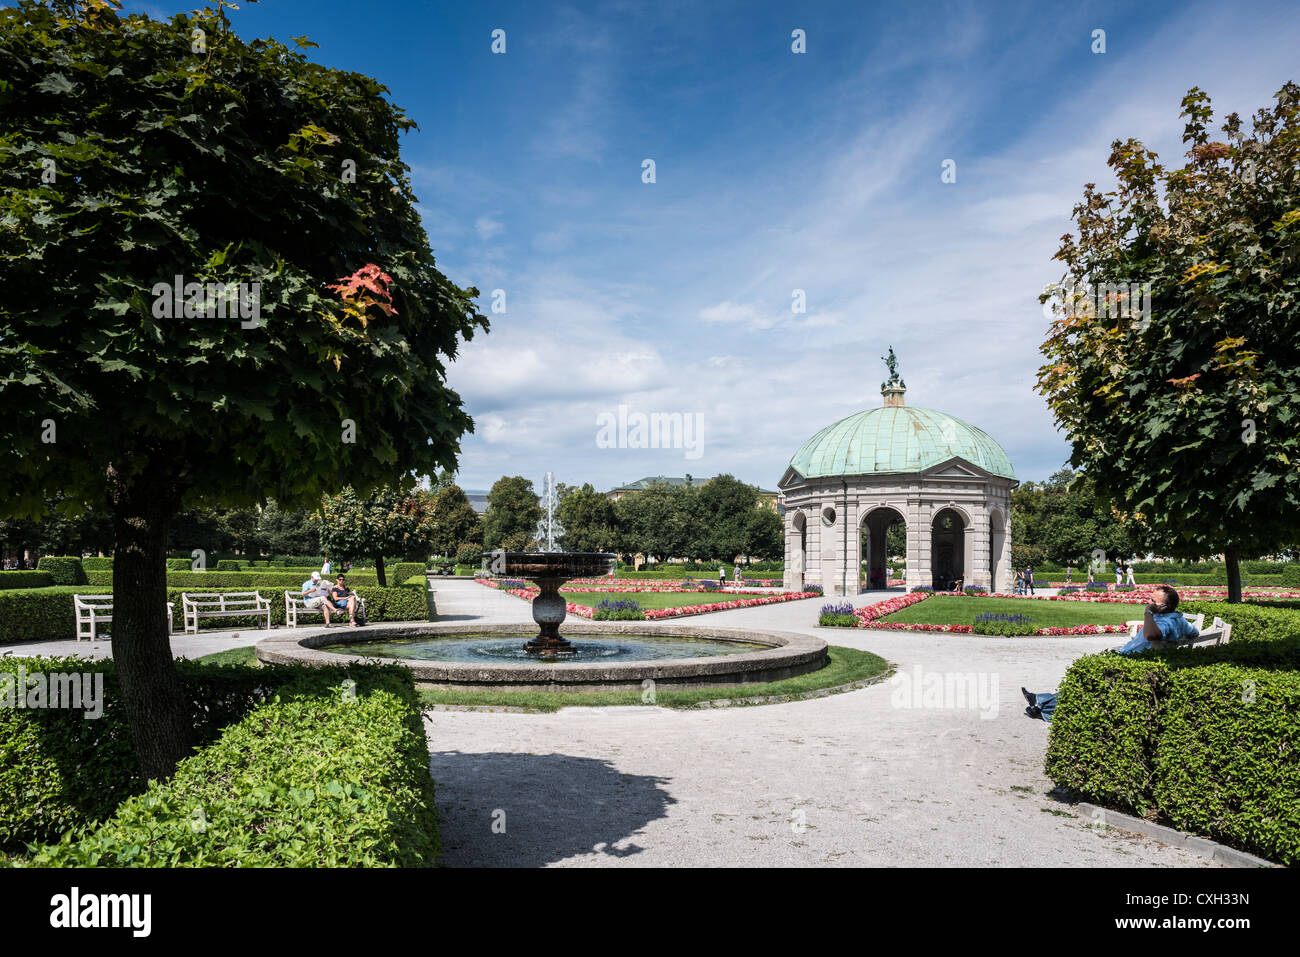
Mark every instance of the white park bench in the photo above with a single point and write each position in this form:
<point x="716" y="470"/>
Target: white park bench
<point x="295" y="606"/>
<point x="230" y="604"/>
<point x="95" y="610"/>
<point x="1218" y="633"/>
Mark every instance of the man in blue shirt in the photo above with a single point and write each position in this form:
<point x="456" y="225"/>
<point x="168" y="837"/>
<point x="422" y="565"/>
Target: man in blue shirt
<point x="1162" y="624"/>
<point x="315" y="594"/>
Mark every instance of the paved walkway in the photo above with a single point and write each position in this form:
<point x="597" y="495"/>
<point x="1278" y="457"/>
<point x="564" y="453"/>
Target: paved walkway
<point x="849" y="779"/>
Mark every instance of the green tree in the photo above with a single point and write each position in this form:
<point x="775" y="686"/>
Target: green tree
<point x="726" y="510"/>
<point x="453" y="521"/>
<point x="588" y="518"/>
<point x="512" y="514"/>
<point x="656" y="522"/>
<point x="765" y="535"/>
<point x="289" y="531"/>
<point x="385" y="522"/>
<point x="1186" y="419"/>
<point x="128" y="159"/>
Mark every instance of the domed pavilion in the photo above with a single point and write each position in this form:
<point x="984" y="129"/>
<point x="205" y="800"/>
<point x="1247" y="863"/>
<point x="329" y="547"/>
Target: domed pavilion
<point x="947" y="481"/>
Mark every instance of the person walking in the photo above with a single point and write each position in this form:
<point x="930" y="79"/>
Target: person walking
<point x="1128" y="574"/>
<point x="1029" y="579"/>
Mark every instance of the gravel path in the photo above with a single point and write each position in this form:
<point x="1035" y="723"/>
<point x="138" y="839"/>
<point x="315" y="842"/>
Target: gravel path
<point x="852" y="779"/>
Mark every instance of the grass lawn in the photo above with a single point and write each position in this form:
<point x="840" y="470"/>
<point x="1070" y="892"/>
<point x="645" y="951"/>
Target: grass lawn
<point x="232" y="656"/>
<point x="652" y="599"/>
<point x="844" y="666"/>
<point x="954" y="610"/>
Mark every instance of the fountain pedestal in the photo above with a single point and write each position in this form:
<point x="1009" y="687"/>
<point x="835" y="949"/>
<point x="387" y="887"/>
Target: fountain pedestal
<point x="549" y="571"/>
<point x="549" y="611"/>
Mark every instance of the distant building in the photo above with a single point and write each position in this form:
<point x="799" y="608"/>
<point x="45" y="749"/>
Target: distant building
<point x="771" y="499"/>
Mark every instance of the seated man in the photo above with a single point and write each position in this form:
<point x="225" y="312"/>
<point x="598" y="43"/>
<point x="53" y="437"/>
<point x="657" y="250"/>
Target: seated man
<point x="1162" y="625"/>
<point x="315" y="594"/>
<point x="341" y="597"/>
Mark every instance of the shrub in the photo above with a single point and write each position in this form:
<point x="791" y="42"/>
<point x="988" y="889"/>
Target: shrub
<point x="838" y="615"/>
<point x="46" y="614"/>
<point x="1102" y="733"/>
<point x="627" y="609"/>
<point x="174" y="564"/>
<point x="26" y="579"/>
<point x="99" y="564"/>
<point x="1008" y="626"/>
<point x="469" y="554"/>
<point x="314" y="777"/>
<point x="63" y="570"/>
<point x="226" y="565"/>
<point x="59" y="770"/>
<point x="402" y="573"/>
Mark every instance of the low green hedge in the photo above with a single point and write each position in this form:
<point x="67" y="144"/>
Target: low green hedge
<point x="257" y="578"/>
<point x="318" y="776"/>
<point x="64" y="570"/>
<point x="60" y="770"/>
<point x="1204" y="738"/>
<point x="25" y="579"/>
<point x="46" y="614"/>
<point x="228" y="565"/>
<point x="99" y="564"/>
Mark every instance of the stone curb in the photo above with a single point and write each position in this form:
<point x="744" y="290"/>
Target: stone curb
<point x="1200" y="846"/>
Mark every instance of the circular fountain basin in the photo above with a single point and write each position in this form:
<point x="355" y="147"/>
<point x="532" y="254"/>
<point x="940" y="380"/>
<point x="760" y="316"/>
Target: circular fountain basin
<point x="611" y="656"/>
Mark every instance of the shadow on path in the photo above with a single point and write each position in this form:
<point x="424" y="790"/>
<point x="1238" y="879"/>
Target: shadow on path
<point x="553" y="807"/>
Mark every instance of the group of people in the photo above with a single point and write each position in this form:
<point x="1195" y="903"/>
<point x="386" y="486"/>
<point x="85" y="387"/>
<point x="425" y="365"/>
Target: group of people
<point x="1024" y="581"/>
<point x="1162" y="623"/>
<point x="722" y="575"/>
<point x="336" y="597"/>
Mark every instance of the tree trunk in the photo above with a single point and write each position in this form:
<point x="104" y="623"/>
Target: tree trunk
<point x="1231" y="559"/>
<point x="379" y="571"/>
<point x="155" y="705"/>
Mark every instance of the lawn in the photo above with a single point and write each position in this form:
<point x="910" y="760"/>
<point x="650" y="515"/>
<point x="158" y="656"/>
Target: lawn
<point x="844" y="666"/>
<point x="654" y="599"/>
<point x="954" y="610"/>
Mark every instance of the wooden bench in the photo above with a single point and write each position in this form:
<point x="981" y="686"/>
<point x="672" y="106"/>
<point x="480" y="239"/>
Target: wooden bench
<point x="1219" y="632"/>
<point x="94" y="610"/>
<point x="230" y="604"/>
<point x="295" y="606"/>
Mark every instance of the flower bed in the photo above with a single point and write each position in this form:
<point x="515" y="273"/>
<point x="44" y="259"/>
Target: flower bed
<point x="528" y="593"/>
<point x="869" y="615"/>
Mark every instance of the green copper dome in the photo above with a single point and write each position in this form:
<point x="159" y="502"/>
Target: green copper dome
<point x="899" y="439"/>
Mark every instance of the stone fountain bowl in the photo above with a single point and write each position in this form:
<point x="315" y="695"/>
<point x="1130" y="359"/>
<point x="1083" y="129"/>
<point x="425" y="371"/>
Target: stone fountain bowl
<point x="534" y="565"/>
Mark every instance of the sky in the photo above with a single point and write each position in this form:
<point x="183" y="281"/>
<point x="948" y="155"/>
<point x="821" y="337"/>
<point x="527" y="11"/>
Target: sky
<point x="774" y="172"/>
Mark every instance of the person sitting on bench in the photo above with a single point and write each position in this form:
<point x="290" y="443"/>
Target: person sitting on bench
<point x="315" y="595"/>
<point x="341" y="597"/>
<point x="1162" y="624"/>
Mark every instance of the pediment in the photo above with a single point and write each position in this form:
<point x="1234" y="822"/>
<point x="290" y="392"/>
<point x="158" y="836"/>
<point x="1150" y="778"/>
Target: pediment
<point x="957" y="468"/>
<point x="791" y="477"/>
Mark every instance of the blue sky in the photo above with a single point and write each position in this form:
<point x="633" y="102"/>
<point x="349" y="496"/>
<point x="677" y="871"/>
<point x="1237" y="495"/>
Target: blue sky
<point x="775" y="171"/>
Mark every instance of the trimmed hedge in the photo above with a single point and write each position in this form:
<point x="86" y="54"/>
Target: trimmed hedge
<point x="270" y="578"/>
<point x="226" y="565"/>
<point x="99" y="564"/>
<point x="64" y="569"/>
<point x="26" y="579"/>
<point x="1203" y="738"/>
<point x="315" y="777"/>
<point x="59" y="770"/>
<point x="46" y="614"/>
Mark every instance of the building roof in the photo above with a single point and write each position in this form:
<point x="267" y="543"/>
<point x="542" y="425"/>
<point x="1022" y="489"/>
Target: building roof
<point x="900" y="439"/>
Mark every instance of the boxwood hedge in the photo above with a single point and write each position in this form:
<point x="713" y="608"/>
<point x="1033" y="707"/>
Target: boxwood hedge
<point x="25" y="579"/>
<point x="320" y="775"/>
<point x="1203" y="738"/>
<point x="290" y="578"/>
<point x="59" y="770"/>
<point x="46" y="614"/>
<point x="63" y="569"/>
